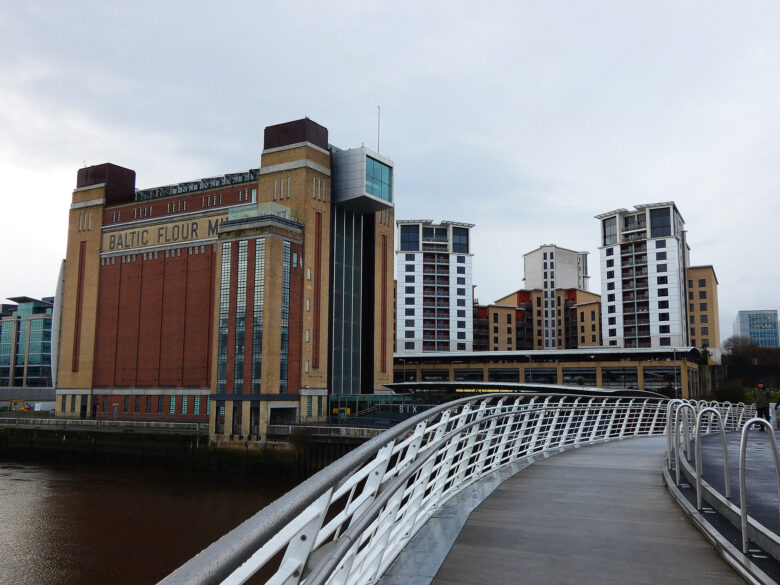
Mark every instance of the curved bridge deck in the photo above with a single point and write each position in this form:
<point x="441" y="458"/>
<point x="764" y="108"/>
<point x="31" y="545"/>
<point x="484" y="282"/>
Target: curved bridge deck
<point x="598" y="514"/>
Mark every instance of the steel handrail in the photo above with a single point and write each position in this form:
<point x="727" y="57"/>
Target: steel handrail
<point x="484" y="433"/>
<point x="699" y="465"/>
<point x="742" y="486"/>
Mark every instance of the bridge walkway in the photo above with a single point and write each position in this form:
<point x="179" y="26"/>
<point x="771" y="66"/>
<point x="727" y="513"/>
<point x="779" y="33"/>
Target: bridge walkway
<point x="596" y="515"/>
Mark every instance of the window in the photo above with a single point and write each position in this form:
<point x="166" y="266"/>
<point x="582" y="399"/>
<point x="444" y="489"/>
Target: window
<point x="705" y="330"/>
<point x="461" y="302"/>
<point x="461" y="335"/>
<point x="409" y="257"/>
<point x="690" y="295"/>
<point x="172" y="405"/>
<point x="461" y="324"/>
<point x="410" y="278"/>
<point x="582" y="339"/>
<point x="461" y="280"/>
<point x="408" y="334"/>
<point x="461" y="259"/>
<point x="690" y="308"/>
<point x="690" y="284"/>
<point x="610" y="286"/>
<point x="663" y="329"/>
<point x="609" y="229"/>
<point x="460" y="240"/>
<point x="702" y="283"/>
<point x="461" y="270"/>
<point x="593" y="338"/>
<point x="409" y="290"/>
<point x="582" y="328"/>
<point x="508" y="318"/>
<point x="660" y="268"/>
<point x="702" y="294"/>
<point x="611" y="320"/>
<point x="610" y="251"/>
<point x="196" y="404"/>
<point x="693" y="330"/>
<point x="593" y="327"/>
<point x="160" y="404"/>
<point x="662" y="280"/>
<point x="663" y="316"/>
<point x="660" y="244"/>
<point x="610" y="263"/>
<point x="611" y="309"/>
<point x="509" y="330"/>
<point x="461" y="313"/>
<point x="592" y="315"/>
<point x="660" y="255"/>
<point x="495" y="317"/>
<point x="702" y="307"/>
<point x="582" y="317"/>
<point x="126" y="405"/>
<point x="137" y="403"/>
<point x="409" y="312"/>
<point x="704" y="319"/>
<point x="611" y="298"/>
<point x="461" y="292"/>
<point x="610" y="274"/>
<point x="663" y="304"/>
<point x="409" y="345"/>
<point x="410" y="237"/>
<point x="495" y="340"/>
<point x="410" y="268"/>
<point x="612" y="332"/>
<point x="692" y="319"/>
<point x="184" y="404"/>
<point x="461" y="347"/>
<point x="409" y="301"/>
<point x="663" y="292"/>
<point x="660" y="222"/>
<point x="409" y="322"/>
<point x="495" y="329"/>
<point x="665" y="341"/>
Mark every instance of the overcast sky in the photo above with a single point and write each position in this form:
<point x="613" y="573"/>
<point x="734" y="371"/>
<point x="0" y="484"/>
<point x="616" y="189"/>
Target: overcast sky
<point x="524" y="118"/>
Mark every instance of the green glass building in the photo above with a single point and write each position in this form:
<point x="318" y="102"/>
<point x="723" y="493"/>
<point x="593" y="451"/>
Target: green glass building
<point x="25" y="343"/>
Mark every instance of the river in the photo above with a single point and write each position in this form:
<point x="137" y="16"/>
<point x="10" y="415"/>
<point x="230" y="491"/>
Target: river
<point x="66" y="524"/>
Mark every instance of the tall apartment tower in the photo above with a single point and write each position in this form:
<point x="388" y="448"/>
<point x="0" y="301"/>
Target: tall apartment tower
<point x="760" y="326"/>
<point x="435" y="305"/>
<point x="644" y="258"/>
<point x="550" y="267"/>
<point x="241" y="299"/>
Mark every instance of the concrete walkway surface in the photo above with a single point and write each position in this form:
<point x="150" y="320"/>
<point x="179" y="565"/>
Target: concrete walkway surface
<point x="597" y="515"/>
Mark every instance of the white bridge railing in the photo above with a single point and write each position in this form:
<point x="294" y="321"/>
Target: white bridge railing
<point x="346" y="524"/>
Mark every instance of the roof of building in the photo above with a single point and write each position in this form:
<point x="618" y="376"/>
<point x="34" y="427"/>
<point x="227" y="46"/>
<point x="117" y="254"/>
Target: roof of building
<point x="706" y="266"/>
<point x="19" y="300"/>
<point x="430" y="222"/>
<point x="639" y="207"/>
<point x="556" y="247"/>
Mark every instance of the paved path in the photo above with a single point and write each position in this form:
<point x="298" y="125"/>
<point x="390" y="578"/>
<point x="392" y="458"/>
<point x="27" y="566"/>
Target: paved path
<point x="597" y="515"/>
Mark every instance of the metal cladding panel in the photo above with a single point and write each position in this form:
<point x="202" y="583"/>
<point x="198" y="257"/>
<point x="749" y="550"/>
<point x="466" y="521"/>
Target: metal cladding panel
<point x="304" y="130"/>
<point x="120" y="182"/>
<point x="349" y="180"/>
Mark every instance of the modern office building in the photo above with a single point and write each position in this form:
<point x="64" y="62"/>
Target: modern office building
<point x="517" y="321"/>
<point x="435" y="305"/>
<point x="242" y="299"/>
<point x="644" y="256"/>
<point x="760" y="326"/>
<point x="703" y="321"/>
<point x="549" y="267"/>
<point x="25" y="343"/>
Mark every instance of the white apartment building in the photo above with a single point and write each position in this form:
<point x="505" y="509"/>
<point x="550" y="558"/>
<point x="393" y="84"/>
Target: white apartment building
<point x="644" y="256"/>
<point x="434" y="286"/>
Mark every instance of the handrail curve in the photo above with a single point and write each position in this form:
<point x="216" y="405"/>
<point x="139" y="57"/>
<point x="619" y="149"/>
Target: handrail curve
<point x="742" y="484"/>
<point x="346" y="524"/>
<point x="699" y="465"/>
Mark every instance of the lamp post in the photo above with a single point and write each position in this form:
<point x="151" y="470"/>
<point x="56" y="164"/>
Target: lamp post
<point x="530" y="375"/>
<point x="674" y="357"/>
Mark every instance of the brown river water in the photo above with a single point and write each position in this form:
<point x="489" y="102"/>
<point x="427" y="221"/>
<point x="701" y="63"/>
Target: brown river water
<point x="63" y="524"/>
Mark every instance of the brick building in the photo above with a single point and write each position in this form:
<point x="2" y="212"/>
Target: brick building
<point x="242" y="299"/>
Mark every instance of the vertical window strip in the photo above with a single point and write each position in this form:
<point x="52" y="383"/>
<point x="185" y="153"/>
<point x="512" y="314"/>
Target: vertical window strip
<point x="257" y="326"/>
<point x="224" y="304"/>
<point x="285" y="345"/>
<point x="196" y="404"/>
<point x="240" y="316"/>
<point x="184" y="404"/>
